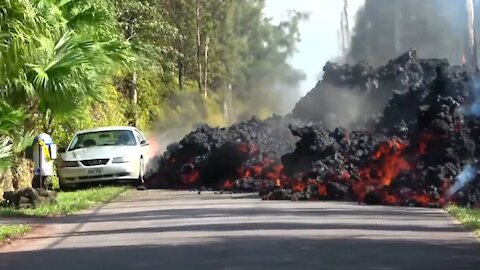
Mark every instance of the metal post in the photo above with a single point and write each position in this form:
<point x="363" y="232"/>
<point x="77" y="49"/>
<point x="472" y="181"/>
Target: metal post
<point x="40" y="150"/>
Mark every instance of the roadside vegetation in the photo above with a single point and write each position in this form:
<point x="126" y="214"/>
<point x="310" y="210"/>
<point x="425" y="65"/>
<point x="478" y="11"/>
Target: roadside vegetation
<point x="68" y="203"/>
<point x="470" y="217"/>
<point x="12" y="231"/>
<point x="75" y="64"/>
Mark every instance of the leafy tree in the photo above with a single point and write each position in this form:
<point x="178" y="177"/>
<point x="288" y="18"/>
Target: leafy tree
<point x="75" y="64"/>
<point x="267" y="48"/>
<point x="144" y="25"/>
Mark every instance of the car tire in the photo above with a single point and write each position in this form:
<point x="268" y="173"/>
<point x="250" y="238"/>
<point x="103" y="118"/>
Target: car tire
<point x="65" y="187"/>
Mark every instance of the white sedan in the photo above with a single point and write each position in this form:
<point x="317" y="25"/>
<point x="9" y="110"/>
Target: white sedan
<point x="104" y="154"/>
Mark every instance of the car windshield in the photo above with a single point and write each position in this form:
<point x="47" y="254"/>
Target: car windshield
<point x="103" y="138"/>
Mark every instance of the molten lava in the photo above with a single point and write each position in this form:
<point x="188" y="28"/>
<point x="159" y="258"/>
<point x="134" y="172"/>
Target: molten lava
<point x="391" y="161"/>
<point x="191" y="177"/>
<point x="386" y="164"/>
<point x="229" y="184"/>
<point x="425" y="141"/>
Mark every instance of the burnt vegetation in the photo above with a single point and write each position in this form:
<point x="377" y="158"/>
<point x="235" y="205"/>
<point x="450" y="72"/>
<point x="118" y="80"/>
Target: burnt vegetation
<point x="412" y="133"/>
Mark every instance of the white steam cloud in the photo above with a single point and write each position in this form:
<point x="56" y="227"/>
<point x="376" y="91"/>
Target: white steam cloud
<point x="337" y="107"/>
<point x="344" y="108"/>
<point x="467" y="175"/>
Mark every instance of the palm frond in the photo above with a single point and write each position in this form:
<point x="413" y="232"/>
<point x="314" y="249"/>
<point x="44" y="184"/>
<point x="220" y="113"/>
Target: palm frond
<point x="56" y="52"/>
<point x="88" y="16"/>
<point x="67" y="55"/>
<point x="5" y="153"/>
<point x="10" y="118"/>
<point x="65" y="3"/>
<point x="22" y="141"/>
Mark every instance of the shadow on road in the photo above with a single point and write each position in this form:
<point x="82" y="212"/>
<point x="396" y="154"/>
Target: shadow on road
<point x="178" y="212"/>
<point x="244" y="253"/>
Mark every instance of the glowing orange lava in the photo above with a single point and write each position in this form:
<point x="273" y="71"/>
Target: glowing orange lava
<point x="386" y="164"/>
<point x="391" y="160"/>
<point x="191" y="177"/>
<point x="229" y="184"/>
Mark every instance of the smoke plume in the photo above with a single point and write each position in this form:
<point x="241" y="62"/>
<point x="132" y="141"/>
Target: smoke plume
<point x="467" y="175"/>
<point x="473" y="109"/>
<point x="338" y="107"/>
<point x="434" y="28"/>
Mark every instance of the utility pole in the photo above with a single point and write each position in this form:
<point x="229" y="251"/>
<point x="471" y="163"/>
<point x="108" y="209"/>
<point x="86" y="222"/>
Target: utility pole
<point x="199" y="49"/>
<point x="472" y="39"/>
<point x="130" y="19"/>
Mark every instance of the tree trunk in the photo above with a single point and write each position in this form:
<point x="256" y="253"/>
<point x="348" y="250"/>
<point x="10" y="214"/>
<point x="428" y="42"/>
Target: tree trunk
<point x="133" y="93"/>
<point x="346" y="27"/>
<point x="131" y="79"/>
<point x="205" y="77"/>
<point x="133" y="97"/>
<point x="471" y="34"/>
<point x="179" y="43"/>
<point x="30" y="122"/>
<point x="228" y="105"/>
<point x="181" y="78"/>
<point x="199" y="44"/>
<point x="48" y="121"/>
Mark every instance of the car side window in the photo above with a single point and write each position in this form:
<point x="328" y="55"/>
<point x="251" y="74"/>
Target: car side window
<point x="139" y="136"/>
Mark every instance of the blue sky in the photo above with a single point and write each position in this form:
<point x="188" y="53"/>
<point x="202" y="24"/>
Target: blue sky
<point x="320" y="33"/>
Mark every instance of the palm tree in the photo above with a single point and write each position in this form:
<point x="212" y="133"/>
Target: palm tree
<point x="51" y="56"/>
<point x="19" y="25"/>
<point x="66" y="74"/>
<point x="10" y="139"/>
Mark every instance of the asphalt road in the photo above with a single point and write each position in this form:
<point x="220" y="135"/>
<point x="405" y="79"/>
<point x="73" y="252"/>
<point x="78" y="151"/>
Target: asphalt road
<point x="183" y="230"/>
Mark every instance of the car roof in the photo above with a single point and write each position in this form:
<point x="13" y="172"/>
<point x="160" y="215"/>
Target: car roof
<point x="108" y="128"/>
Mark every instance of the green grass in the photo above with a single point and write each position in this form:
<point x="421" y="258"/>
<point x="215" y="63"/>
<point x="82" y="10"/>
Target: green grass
<point x="13" y="231"/>
<point x="470" y="217"/>
<point x="68" y="203"/>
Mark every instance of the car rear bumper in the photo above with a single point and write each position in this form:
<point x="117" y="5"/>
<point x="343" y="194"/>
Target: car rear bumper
<point x="109" y="172"/>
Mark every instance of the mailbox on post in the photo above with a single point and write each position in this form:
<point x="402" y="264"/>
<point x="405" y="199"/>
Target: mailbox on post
<point x="43" y="153"/>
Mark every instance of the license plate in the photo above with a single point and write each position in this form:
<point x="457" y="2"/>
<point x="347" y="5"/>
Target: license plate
<point x="94" y="171"/>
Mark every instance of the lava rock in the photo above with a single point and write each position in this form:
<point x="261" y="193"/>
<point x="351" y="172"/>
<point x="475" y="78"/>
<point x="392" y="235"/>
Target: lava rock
<point x="29" y="197"/>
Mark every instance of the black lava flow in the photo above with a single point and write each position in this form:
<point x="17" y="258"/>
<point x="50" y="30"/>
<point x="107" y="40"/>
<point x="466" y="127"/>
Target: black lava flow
<point x="407" y="148"/>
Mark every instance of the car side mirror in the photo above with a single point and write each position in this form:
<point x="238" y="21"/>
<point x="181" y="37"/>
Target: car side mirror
<point x="144" y="143"/>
